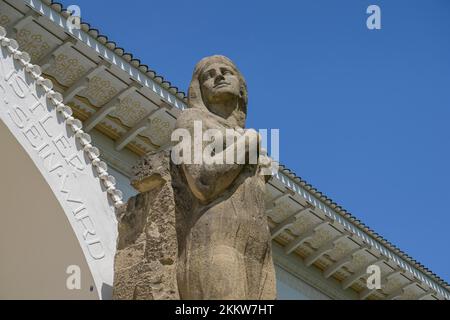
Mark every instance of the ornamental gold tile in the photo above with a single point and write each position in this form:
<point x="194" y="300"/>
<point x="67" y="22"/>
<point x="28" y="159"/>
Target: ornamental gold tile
<point x="392" y="285"/>
<point x="159" y="130"/>
<point x="341" y="250"/>
<point x="358" y="262"/>
<point x="99" y="91"/>
<point x="32" y="42"/>
<point x="302" y="225"/>
<point x="285" y="209"/>
<point x="320" y="236"/>
<point x="129" y="111"/>
<point x="4" y="20"/>
<point x="66" y="69"/>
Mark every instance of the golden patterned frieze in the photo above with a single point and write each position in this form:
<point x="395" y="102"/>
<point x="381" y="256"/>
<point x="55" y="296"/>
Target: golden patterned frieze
<point x="66" y="69"/>
<point x="100" y="90"/>
<point x="33" y="42"/>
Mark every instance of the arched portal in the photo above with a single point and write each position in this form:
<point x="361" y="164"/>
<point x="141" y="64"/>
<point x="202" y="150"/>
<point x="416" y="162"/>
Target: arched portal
<point x="54" y="211"/>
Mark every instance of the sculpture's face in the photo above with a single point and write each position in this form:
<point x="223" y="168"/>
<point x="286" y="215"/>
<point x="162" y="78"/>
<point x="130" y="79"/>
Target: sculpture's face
<point x="219" y="83"/>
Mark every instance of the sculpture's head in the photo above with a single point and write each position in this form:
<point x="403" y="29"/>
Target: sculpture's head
<point x="218" y="86"/>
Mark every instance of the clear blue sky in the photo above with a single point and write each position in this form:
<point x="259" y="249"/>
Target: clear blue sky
<point x="363" y="115"/>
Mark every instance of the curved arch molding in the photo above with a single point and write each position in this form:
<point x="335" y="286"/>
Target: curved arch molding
<point x="57" y="200"/>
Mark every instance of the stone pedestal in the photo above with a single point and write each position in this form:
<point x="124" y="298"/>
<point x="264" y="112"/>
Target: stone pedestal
<point x="146" y="258"/>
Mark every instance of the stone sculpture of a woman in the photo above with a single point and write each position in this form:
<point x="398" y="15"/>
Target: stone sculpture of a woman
<point x="224" y="245"/>
<point x="198" y="230"/>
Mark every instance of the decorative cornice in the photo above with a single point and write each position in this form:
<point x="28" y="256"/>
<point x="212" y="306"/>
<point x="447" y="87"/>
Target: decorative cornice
<point x="110" y="52"/>
<point x="350" y="223"/>
<point x="310" y="276"/>
<point x="56" y="99"/>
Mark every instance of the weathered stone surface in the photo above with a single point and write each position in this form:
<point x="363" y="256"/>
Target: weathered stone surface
<point x="152" y="171"/>
<point x="145" y="262"/>
<point x="224" y="243"/>
<point x="199" y="231"/>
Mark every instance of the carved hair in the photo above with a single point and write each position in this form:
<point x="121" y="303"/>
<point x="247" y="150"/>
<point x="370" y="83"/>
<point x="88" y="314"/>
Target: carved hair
<point x="195" y="98"/>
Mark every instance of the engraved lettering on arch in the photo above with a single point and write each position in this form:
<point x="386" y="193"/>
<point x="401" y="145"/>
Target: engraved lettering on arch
<point x="76" y="162"/>
<point x="34" y="137"/>
<point x="62" y="145"/>
<point x="44" y="127"/>
<point x="87" y="224"/>
<point x="71" y="156"/>
<point x="18" y="116"/>
<point x="94" y="244"/>
<point x="49" y="157"/>
<point x="17" y="83"/>
<point x="95" y="249"/>
<point x="37" y="107"/>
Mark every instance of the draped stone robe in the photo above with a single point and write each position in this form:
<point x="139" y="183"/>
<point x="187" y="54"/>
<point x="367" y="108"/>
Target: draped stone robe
<point x="224" y="245"/>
